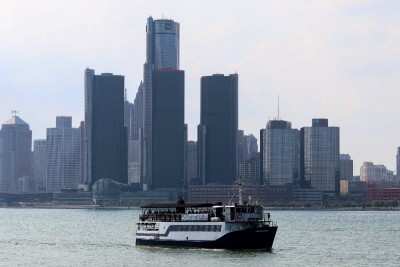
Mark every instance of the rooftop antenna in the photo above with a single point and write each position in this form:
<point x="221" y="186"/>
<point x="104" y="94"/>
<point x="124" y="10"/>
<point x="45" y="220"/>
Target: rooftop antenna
<point x="14" y="113"/>
<point x="278" y="107"/>
<point x="126" y="95"/>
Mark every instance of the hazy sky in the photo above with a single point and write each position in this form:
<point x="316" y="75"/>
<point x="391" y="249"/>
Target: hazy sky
<point x="326" y="59"/>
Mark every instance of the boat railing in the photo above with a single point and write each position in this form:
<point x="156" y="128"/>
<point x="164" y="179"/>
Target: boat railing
<point x="175" y="217"/>
<point x="161" y="217"/>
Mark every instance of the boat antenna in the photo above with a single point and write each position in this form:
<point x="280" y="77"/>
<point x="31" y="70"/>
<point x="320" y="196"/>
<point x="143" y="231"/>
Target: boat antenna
<point x="278" y="107"/>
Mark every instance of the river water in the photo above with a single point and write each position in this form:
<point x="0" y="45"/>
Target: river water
<point x="78" y="237"/>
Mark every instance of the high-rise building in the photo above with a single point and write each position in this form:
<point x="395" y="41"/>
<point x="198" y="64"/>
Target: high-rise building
<point x="128" y="117"/>
<point x="217" y="132"/>
<point x="375" y="173"/>
<point x="163" y="138"/>
<point x="247" y="145"/>
<point x="346" y="167"/>
<point x="320" y="157"/>
<point x="134" y="152"/>
<point x="82" y="179"/>
<point x="137" y="122"/>
<point x="106" y="153"/>
<point x="242" y="149"/>
<point x="63" y="150"/>
<point x="39" y="164"/>
<point x="398" y="162"/>
<point x="252" y="145"/>
<point x="249" y="170"/>
<point x="168" y="129"/>
<point x="281" y="153"/>
<point x="88" y="129"/>
<point x="15" y="155"/>
<point x="191" y="158"/>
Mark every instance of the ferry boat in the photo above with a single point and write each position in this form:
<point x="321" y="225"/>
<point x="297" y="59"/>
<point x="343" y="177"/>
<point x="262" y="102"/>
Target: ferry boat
<point x="237" y="226"/>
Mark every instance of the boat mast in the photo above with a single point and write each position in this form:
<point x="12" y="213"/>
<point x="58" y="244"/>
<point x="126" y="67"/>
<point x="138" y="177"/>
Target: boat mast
<point x="240" y="193"/>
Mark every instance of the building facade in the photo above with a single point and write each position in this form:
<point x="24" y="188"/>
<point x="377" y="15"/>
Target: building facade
<point x="398" y="163"/>
<point x="191" y="161"/>
<point x="39" y="164"/>
<point x="168" y="149"/>
<point x="162" y="63"/>
<point x="15" y="156"/>
<point x="134" y="147"/>
<point x="217" y="132"/>
<point x="106" y="153"/>
<point x="375" y="173"/>
<point x="346" y="167"/>
<point x="320" y="157"/>
<point x="63" y="150"/>
<point x="281" y="153"/>
<point x="249" y="170"/>
<point x="247" y="145"/>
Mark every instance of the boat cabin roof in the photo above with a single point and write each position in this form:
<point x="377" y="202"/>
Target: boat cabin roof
<point x="192" y="205"/>
<point x="175" y="205"/>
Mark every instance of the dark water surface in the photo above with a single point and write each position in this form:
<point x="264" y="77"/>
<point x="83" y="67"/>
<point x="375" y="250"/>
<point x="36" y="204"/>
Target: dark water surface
<point x="62" y="237"/>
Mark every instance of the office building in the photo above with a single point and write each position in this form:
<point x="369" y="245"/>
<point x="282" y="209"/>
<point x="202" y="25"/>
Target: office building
<point x="162" y="140"/>
<point x="106" y="153"/>
<point x="217" y="132"/>
<point x="191" y="161"/>
<point x="168" y="129"/>
<point x="15" y="155"/>
<point x="320" y="157"/>
<point x="346" y="167"/>
<point x="136" y="128"/>
<point x="369" y="172"/>
<point x="281" y="153"/>
<point x="249" y="170"/>
<point x="39" y="164"/>
<point x="63" y="150"/>
<point x="247" y="145"/>
<point x="398" y="163"/>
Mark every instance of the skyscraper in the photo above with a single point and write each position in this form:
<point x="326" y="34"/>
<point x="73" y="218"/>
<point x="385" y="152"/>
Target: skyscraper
<point x="63" y="146"/>
<point x="88" y="124"/>
<point x="137" y="122"/>
<point x="346" y="167"/>
<point x="398" y="163"/>
<point x="163" y="140"/>
<point x="249" y="170"/>
<point x="320" y="157"/>
<point x="15" y="154"/>
<point x="134" y="158"/>
<point x="105" y="134"/>
<point x="168" y="129"/>
<point x="191" y="157"/>
<point x="281" y="153"/>
<point x="39" y="164"/>
<point x="217" y="132"/>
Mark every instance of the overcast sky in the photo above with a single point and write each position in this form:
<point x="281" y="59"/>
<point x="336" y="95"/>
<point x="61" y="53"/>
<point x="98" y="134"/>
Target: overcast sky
<point x="326" y="59"/>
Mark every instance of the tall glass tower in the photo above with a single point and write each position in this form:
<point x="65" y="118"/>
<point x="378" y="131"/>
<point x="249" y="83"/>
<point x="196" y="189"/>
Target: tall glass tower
<point x="15" y="154"/>
<point x="161" y="71"/>
<point x="63" y="145"/>
<point x="281" y="153"/>
<point x="106" y="153"/>
<point x="217" y="132"/>
<point x="320" y="157"/>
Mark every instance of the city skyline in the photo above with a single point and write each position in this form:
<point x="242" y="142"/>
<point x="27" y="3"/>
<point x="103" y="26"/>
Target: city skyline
<point x="329" y="60"/>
